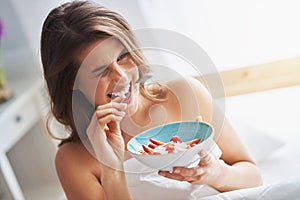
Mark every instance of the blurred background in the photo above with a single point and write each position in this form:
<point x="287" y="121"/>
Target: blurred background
<point x="253" y="44"/>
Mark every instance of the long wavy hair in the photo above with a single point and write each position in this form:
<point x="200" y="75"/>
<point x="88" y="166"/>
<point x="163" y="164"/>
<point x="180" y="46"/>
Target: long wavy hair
<point x="66" y="31"/>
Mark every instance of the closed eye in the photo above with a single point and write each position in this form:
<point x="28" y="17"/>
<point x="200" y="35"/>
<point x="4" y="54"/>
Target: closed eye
<point x="121" y="59"/>
<point x="100" y="70"/>
<point x="123" y="56"/>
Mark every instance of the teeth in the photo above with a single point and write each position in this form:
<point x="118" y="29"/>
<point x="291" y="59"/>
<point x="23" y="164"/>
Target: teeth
<point x="122" y="93"/>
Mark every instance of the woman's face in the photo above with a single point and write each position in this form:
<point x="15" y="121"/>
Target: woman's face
<point x="108" y="73"/>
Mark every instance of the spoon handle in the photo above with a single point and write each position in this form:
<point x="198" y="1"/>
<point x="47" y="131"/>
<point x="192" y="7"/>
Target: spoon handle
<point x="144" y="78"/>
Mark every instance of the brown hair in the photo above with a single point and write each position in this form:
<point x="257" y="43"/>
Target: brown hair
<point x="66" y="31"/>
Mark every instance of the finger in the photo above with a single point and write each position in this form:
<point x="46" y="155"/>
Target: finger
<point x="93" y="130"/>
<point x="196" y="180"/>
<point x="180" y="177"/>
<point x="119" y="99"/>
<point x="188" y="172"/>
<point x="171" y="175"/>
<point x="202" y="154"/>
<point x="118" y="106"/>
<point x="199" y="118"/>
<point x="104" y="112"/>
<point x="113" y="126"/>
<point x="205" y="158"/>
<point x="191" y="175"/>
<point x="108" y="119"/>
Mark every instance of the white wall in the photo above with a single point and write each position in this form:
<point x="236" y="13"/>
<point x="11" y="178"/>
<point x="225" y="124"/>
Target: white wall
<point x="23" y="24"/>
<point x="234" y="33"/>
<point x="32" y="15"/>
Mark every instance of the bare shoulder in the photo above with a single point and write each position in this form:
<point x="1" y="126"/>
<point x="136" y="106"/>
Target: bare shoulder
<point x="75" y="166"/>
<point x="188" y="84"/>
<point x="73" y="152"/>
<point x="193" y="97"/>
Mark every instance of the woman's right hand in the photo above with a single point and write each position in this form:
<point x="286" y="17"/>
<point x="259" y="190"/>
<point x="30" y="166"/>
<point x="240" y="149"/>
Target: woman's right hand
<point x="105" y="135"/>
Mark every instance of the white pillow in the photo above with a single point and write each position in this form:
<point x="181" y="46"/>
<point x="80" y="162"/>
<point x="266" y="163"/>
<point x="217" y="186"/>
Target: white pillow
<point x="259" y="144"/>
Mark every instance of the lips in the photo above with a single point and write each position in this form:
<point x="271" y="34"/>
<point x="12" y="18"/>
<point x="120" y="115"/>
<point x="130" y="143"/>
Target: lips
<point x="124" y="93"/>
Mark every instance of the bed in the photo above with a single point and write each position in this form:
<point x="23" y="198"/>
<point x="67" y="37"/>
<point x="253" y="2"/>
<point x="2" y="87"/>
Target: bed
<point x="268" y="124"/>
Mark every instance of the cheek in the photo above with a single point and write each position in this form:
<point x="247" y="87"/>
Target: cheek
<point x="94" y="91"/>
<point x="100" y="96"/>
<point x="86" y="88"/>
<point x="132" y="68"/>
<point x="135" y="74"/>
<point x="133" y="106"/>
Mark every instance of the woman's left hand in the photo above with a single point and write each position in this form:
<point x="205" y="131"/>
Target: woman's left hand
<point x="209" y="171"/>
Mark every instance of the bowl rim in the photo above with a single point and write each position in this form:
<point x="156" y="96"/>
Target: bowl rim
<point x="177" y="122"/>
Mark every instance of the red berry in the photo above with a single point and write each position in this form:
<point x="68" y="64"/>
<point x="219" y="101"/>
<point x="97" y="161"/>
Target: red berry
<point x="170" y="149"/>
<point x="152" y="146"/>
<point x="194" y="142"/>
<point x="156" y="142"/>
<point x="176" y="139"/>
<point x="147" y="149"/>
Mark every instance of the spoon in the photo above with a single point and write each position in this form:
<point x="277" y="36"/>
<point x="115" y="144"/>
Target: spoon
<point x="144" y="78"/>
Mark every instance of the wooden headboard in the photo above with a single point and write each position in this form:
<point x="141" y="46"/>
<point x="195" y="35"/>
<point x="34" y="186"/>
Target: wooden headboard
<point x="260" y="77"/>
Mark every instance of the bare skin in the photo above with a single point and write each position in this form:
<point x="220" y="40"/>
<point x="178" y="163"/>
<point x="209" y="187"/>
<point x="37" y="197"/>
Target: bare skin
<point x="84" y="177"/>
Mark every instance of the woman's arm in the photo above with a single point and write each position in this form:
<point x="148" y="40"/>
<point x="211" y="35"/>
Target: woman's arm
<point x="235" y="169"/>
<point x="99" y="175"/>
<point x="114" y="184"/>
<point x="240" y="171"/>
<point x="76" y="172"/>
<point x="79" y="173"/>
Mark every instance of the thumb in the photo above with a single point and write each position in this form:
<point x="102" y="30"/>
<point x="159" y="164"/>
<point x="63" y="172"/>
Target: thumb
<point x="114" y="127"/>
<point x="113" y="124"/>
<point x="205" y="158"/>
<point x="199" y="118"/>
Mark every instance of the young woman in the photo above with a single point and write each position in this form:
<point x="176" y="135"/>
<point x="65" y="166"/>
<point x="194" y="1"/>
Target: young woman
<point x="92" y="65"/>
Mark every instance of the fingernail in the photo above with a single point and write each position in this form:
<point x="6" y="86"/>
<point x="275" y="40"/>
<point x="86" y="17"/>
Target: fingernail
<point x="176" y="171"/>
<point x="124" y="105"/>
<point x="199" y="171"/>
<point x="202" y="154"/>
<point x="161" y="173"/>
<point x="123" y="113"/>
<point x="199" y="119"/>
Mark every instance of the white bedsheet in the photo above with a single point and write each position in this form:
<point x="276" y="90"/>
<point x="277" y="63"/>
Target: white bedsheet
<point x="273" y="113"/>
<point x="145" y="183"/>
<point x="282" y="165"/>
<point x="280" y="172"/>
<point x="283" y="190"/>
<point x="262" y="119"/>
<point x="281" y="177"/>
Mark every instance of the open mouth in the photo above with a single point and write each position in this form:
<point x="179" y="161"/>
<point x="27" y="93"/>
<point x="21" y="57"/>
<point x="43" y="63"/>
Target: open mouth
<point x="124" y="94"/>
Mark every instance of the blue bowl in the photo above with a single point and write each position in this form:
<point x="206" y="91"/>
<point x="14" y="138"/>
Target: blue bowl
<point x="187" y="130"/>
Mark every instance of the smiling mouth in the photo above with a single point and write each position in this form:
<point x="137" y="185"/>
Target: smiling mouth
<point x="124" y="94"/>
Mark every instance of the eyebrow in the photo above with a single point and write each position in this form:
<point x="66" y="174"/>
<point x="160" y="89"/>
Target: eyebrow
<point x="101" y="68"/>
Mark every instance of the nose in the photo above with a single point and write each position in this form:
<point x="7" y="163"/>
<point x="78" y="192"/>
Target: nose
<point x="118" y="73"/>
